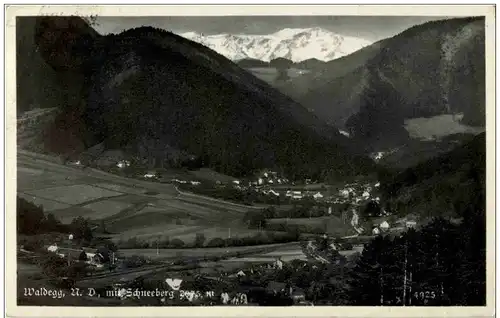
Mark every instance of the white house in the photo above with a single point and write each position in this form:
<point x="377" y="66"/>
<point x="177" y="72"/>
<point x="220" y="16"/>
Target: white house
<point x="236" y="181"/>
<point x="366" y="195"/>
<point x="240" y="273"/>
<point x="384" y="226"/>
<point x="344" y="193"/>
<point x="123" y="163"/>
<point x="278" y="264"/>
<point x="260" y="181"/>
<point x="150" y="175"/>
<point x="195" y="182"/>
<point x="297" y="195"/>
<point x="411" y="224"/>
<point x="318" y="196"/>
<point x="377" y="184"/>
<point x="329" y="210"/>
<point x="375" y="231"/>
<point x="53" y="248"/>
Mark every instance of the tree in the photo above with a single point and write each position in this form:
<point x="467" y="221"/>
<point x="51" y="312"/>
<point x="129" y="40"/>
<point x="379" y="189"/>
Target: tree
<point x="199" y="240"/>
<point x="51" y="223"/>
<point x="81" y="229"/>
<point x="177" y="243"/>
<point x="216" y="242"/>
<point x="30" y="218"/>
<point x="53" y="265"/>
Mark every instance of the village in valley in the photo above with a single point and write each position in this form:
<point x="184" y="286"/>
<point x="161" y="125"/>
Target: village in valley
<point x="323" y="225"/>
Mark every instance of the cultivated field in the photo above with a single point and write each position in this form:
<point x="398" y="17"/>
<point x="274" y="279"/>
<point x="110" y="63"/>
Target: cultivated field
<point x="438" y="127"/>
<point x="130" y="208"/>
<point x="275" y="249"/>
<point x="331" y="225"/>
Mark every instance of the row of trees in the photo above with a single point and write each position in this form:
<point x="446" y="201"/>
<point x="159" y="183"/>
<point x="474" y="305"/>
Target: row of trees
<point x="31" y="220"/>
<point x="201" y="241"/>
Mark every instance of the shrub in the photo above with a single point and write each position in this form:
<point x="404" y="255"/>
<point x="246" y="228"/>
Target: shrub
<point x="165" y="243"/>
<point x="216" y="242"/>
<point x="177" y="243"/>
<point x="31" y="243"/>
<point x="134" y="261"/>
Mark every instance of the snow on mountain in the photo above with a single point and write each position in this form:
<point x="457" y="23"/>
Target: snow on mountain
<point x="294" y="44"/>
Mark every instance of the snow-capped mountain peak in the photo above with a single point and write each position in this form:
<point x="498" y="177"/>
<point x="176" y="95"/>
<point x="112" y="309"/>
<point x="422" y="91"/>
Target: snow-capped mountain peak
<point x="296" y="44"/>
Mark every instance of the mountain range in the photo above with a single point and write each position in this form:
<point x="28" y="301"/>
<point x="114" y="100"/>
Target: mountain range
<point x="297" y="44"/>
<point x="433" y="69"/>
<point x="148" y="90"/>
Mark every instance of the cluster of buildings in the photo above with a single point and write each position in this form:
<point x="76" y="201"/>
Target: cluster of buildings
<point x="268" y="177"/>
<point x="357" y="194"/>
<point x="96" y="258"/>
<point x="399" y="226"/>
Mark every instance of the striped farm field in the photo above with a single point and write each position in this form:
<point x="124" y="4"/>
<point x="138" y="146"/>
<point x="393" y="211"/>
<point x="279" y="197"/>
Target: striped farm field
<point x="106" y="208"/>
<point x="206" y="251"/>
<point x="74" y="194"/>
<point x="143" y="220"/>
<point x="48" y="205"/>
<point x="220" y="232"/>
<point x="120" y="188"/>
<point x="68" y="214"/>
<point x="159" y="232"/>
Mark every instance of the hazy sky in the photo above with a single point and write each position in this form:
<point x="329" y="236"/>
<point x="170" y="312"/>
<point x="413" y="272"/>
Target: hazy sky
<point x="372" y="28"/>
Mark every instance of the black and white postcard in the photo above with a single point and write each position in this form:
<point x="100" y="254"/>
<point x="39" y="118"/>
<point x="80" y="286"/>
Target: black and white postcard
<point x="252" y="160"/>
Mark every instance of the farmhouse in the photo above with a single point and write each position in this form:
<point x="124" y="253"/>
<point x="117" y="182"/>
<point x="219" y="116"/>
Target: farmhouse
<point x="238" y="274"/>
<point x="150" y="175"/>
<point x="384" y="226"/>
<point x="344" y="193"/>
<point x="294" y="194"/>
<point x="123" y="163"/>
<point x="411" y="224"/>
<point x="317" y="196"/>
<point x="53" y="248"/>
